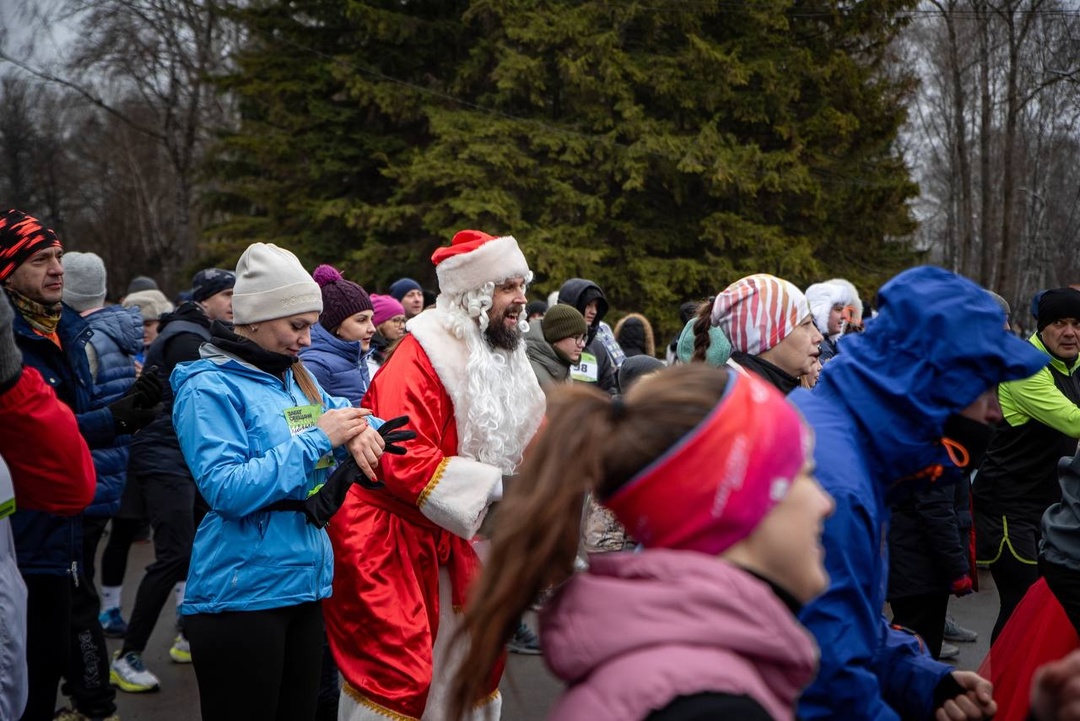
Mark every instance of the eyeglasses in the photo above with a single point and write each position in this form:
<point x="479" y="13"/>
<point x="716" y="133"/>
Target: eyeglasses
<point x="400" y="320"/>
<point x="580" y="339"/>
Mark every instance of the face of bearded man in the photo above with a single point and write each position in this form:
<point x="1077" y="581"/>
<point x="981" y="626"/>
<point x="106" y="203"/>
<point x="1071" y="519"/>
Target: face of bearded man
<point x="507" y="304"/>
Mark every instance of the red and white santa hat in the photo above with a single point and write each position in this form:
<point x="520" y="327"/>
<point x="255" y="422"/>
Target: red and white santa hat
<point x="474" y="258"/>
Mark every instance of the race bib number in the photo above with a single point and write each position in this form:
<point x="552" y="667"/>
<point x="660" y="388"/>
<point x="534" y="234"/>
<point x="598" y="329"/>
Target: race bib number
<point x="585" y="370"/>
<point x="300" y="418"/>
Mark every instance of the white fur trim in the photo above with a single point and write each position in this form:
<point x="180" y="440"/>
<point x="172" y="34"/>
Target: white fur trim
<point x="449" y="357"/>
<point x="457" y="497"/>
<point x="494" y="261"/>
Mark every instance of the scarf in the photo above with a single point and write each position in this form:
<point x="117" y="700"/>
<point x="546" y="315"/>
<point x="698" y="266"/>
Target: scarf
<point x="42" y="318"/>
<point x="248" y="350"/>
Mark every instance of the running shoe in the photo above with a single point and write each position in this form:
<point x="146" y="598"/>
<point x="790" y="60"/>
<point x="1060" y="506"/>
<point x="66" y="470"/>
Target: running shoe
<point x="948" y="652"/>
<point x="129" y="674"/>
<point x="181" y="650"/>
<point x="956" y="632"/>
<point x="113" y="624"/>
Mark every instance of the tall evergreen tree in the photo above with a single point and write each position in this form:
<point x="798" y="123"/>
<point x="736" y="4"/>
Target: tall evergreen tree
<point x="661" y="148"/>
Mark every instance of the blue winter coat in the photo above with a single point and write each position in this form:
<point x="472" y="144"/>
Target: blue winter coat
<point x="229" y="418"/>
<point x="117" y="339"/>
<point x="339" y="365"/>
<point x="878" y="415"/>
<point x="45" y="543"/>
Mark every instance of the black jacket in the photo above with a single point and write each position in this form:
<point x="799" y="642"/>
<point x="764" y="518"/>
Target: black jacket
<point x="928" y="538"/>
<point x="579" y="292"/>
<point x="155" y="450"/>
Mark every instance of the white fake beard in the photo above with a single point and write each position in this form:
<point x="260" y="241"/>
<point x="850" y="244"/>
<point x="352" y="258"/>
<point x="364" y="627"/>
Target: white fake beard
<point x="503" y="396"/>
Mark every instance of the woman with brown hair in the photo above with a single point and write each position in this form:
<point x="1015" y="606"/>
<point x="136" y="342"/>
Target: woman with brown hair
<point x="711" y="471"/>
<point x="259" y="436"/>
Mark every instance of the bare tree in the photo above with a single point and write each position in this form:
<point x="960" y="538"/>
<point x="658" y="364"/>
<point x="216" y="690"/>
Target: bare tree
<point x="150" y="65"/>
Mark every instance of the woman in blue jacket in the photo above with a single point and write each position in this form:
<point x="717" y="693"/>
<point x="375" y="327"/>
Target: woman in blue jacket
<point x="259" y="434"/>
<point x="341" y="341"/>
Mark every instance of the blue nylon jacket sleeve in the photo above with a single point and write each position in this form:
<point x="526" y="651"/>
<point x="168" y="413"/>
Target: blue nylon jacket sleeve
<point x="866" y="669"/>
<point x="98" y="428"/>
<point x="215" y="442"/>
<point x="909" y="673"/>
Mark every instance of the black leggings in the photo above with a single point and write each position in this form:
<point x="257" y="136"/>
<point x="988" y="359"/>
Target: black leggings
<point x="1013" y="578"/>
<point x="925" y="615"/>
<point x="115" y="556"/>
<point x="258" y="665"/>
<point x="48" y="622"/>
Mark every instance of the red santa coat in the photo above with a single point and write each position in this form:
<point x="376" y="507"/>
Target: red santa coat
<point x="383" y="619"/>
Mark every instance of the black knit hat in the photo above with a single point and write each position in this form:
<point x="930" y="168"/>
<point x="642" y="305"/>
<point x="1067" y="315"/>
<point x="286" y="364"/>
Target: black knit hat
<point x="21" y="236"/>
<point x="341" y="298"/>
<point x="1058" y="303"/>
<point x="562" y="321"/>
<point x="211" y="281"/>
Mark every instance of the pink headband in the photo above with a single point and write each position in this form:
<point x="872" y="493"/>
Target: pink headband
<point x="712" y="488"/>
<point x="759" y="311"/>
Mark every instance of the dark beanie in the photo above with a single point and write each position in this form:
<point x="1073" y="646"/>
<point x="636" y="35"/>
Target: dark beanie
<point x="21" y="236"/>
<point x="635" y="367"/>
<point x="534" y="307"/>
<point x="562" y="321"/>
<point x="211" y="281"/>
<point x="401" y="286"/>
<point x="142" y="282"/>
<point x="341" y="298"/>
<point x="1058" y="303"/>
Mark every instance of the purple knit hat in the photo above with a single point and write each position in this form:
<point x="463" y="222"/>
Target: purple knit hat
<point x="386" y="307"/>
<point x="341" y="298"/>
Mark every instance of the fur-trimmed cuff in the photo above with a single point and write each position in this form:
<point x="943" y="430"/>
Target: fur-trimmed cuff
<point x="457" y="496"/>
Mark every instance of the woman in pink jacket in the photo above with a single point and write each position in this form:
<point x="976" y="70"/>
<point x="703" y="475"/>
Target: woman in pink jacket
<point x="712" y="472"/>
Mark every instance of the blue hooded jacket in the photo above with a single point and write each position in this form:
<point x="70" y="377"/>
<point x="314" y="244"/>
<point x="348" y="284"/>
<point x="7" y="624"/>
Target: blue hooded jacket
<point x="878" y="416"/>
<point x="231" y="423"/>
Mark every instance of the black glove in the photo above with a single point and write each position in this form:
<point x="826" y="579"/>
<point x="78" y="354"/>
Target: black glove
<point x="10" y="357"/>
<point x="322" y="505"/>
<point x="140" y="405"/>
<point x="391" y="435"/>
<point x="148" y="385"/>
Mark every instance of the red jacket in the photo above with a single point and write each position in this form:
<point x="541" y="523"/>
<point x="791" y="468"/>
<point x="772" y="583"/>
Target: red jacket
<point x="51" y="467"/>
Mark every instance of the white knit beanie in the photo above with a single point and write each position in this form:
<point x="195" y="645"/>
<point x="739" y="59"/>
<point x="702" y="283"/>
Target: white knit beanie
<point x="271" y="283"/>
<point x="152" y="304"/>
<point x="84" y="280"/>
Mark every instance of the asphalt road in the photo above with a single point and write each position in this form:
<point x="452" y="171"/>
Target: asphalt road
<point x="528" y="689"/>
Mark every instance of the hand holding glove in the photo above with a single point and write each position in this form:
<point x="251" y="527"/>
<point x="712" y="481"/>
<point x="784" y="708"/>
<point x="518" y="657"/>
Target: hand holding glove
<point x="961" y="586"/>
<point x="10" y="357"/>
<point x="324" y="503"/>
<point x="140" y="405"/>
<point x="391" y="435"/>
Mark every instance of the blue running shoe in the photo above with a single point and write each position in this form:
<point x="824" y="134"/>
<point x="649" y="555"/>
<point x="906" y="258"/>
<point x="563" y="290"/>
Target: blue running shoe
<point x="112" y="624"/>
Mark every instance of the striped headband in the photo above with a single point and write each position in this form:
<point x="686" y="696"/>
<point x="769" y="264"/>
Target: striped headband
<point x="759" y="311"/>
<point x="21" y="236"/>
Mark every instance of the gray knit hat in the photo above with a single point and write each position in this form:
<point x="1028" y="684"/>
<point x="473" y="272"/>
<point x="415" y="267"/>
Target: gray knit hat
<point x="84" y="280"/>
<point x="271" y="283"/>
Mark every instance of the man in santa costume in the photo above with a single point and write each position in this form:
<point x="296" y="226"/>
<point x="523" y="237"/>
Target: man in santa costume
<point x="402" y="557"/>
